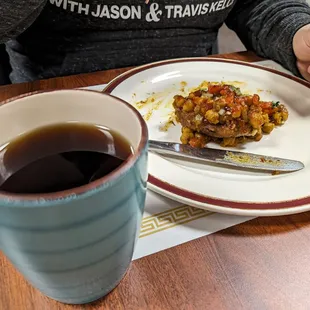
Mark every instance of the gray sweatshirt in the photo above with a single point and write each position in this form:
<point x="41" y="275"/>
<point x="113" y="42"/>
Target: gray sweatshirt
<point x="47" y="38"/>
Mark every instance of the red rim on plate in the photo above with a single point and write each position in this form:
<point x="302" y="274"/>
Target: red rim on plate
<point x="198" y="198"/>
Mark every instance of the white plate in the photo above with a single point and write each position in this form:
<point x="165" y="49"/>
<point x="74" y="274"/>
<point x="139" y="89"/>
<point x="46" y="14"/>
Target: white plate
<point x="219" y="189"/>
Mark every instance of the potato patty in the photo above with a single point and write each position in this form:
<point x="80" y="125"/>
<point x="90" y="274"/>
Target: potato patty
<point x="222" y="114"/>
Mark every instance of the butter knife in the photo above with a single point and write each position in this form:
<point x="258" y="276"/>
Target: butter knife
<point x="225" y="157"/>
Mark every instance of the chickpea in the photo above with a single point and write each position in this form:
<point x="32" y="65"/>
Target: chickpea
<point x="284" y="116"/>
<point x="244" y="113"/>
<point x="258" y="136"/>
<point x="187" y="130"/>
<point x="203" y="110"/>
<point x="266" y="118"/>
<point x="198" y="100"/>
<point x="216" y="107"/>
<point x="277" y="117"/>
<point x="197" y="109"/>
<point x="268" y="127"/>
<point x="188" y="106"/>
<point x="256" y="120"/>
<point x="212" y="117"/>
<point x="221" y="103"/>
<point x="179" y="101"/>
<point x="187" y="134"/>
<point x="284" y="113"/>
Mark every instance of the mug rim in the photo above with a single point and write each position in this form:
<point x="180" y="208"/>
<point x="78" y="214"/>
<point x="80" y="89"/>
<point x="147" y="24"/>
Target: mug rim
<point x="80" y="190"/>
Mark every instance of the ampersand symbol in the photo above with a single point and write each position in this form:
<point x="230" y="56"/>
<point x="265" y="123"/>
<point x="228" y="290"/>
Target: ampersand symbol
<point x="153" y="15"/>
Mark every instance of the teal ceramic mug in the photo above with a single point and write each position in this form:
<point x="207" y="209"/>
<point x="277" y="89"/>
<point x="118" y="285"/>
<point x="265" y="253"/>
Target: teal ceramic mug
<point x="75" y="246"/>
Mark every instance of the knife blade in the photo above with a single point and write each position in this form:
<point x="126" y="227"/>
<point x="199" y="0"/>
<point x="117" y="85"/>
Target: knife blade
<point x="225" y="157"/>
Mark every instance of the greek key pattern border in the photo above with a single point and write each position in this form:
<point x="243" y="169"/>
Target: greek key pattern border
<point x="170" y="218"/>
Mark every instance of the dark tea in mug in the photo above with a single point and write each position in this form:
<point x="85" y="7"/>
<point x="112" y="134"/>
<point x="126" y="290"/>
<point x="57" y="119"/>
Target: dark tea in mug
<point x="61" y="156"/>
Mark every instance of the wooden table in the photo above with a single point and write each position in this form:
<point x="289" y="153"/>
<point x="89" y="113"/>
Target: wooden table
<point x="260" y="264"/>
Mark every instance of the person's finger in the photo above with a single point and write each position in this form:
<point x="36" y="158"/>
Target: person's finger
<point x="304" y="69"/>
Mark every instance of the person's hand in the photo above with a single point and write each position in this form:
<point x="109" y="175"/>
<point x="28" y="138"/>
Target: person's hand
<point x="301" y="47"/>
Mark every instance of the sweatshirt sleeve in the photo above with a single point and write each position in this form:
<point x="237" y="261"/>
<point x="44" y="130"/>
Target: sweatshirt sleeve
<point x="268" y="27"/>
<point x="17" y="15"/>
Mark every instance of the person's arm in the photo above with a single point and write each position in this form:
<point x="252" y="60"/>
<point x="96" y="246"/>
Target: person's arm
<point x="268" y="27"/>
<point x="17" y="15"/>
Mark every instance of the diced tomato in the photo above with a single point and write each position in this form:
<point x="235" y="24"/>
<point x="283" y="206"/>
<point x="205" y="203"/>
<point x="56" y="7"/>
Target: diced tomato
<point x="268" y="111"/>
<point x="224" y="92"/>
<point x="265" y="105"/>
<point x="229" y="99"/>
<point x="214" y="89"/>
<point x="236" y="111"/>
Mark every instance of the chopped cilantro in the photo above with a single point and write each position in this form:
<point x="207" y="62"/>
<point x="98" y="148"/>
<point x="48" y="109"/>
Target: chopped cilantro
<point x="275" y="104"/>
<point x="236" y="90"/>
